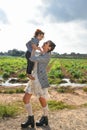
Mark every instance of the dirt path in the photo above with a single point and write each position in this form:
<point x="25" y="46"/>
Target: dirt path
<point x="59" y="120"/>
<point x="66" y="119"/>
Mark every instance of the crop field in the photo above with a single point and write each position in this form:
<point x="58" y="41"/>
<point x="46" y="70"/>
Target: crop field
<point x="12" y="66"/>
<point x="74" y="69"/>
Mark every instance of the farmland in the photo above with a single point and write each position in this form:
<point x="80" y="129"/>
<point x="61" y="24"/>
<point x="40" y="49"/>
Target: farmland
<point x="66" y="104"/>
<point x="74" y="69"/>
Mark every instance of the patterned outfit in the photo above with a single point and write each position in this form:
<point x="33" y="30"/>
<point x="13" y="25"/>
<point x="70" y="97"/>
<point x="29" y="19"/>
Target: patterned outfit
<point x="40" y="85"/>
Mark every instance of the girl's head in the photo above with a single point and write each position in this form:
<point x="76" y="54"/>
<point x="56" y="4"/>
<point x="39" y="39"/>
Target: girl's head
<point x="39" y="34"/>
<point x="48" y="46"/>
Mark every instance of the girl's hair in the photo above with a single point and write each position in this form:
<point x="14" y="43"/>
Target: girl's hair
<point x="37" y="32"/>
<point x="52" y="45"/>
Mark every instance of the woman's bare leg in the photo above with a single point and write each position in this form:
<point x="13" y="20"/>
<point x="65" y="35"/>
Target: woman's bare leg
<point x="44" y="118"/>
<point x="30" y="120"/>
<point x="43" y="101"/>
<point x="44" y="105"/>
<point x="26" y="100"/>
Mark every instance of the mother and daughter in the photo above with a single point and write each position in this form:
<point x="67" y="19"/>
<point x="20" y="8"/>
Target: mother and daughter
<point x="38" y="83"/>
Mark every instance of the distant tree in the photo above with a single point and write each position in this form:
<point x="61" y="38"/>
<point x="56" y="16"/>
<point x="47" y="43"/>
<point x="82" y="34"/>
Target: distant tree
<point x="73" y="53"/>
<point x="1" y="53"/>
<point x="16" y="52"/>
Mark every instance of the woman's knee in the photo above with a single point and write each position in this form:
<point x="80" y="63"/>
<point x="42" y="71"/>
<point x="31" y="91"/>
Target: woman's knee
<point x="43" y="101"/>
<point x="26" y="98"/>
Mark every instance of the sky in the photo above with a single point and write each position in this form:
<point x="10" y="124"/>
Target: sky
<point x="63" y="21"/>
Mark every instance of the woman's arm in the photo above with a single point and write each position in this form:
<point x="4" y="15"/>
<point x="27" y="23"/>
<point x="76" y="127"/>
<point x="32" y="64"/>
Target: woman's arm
<point x="42" y="58"/>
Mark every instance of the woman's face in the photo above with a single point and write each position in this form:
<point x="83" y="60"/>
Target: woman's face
<point x="46" y="47"/>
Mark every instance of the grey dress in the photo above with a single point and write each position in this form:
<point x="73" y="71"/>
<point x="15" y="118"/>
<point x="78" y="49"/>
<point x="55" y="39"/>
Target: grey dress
<point x="42" y="62"/>
<point x="40" y="85"/>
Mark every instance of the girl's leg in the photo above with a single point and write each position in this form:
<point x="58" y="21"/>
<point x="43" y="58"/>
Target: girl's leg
<point x="30" y="65"/>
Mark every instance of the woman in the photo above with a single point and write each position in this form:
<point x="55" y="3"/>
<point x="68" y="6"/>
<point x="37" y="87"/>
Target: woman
<point x="39" y="86"/>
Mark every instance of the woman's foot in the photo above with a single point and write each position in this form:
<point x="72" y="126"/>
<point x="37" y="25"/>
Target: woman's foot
<point x="30" y="77"/>
<point x="43" y="121"/>
<point x="30" y="122"/>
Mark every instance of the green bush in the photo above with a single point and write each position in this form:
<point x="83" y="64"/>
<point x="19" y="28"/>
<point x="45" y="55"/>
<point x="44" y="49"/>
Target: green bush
<point x="77" y="74"/>
<point x="6" y="75"/>
<point x="22" y="75"/>
<point x="55" y="74"/>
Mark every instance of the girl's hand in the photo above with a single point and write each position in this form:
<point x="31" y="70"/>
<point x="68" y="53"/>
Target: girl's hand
<point x="40" y="49"/>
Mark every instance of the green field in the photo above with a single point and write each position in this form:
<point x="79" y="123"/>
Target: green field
<point x="75" y="69"/>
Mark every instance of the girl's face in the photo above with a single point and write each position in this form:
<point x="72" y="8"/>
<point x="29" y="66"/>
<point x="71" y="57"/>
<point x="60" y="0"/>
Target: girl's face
<point x="40" y="37"/>
<point x="46" y="47"/>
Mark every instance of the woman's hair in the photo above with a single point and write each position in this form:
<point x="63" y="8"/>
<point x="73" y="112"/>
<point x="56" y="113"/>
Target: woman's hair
<point x="37" y="32"/>
<point x="52" y="45"/>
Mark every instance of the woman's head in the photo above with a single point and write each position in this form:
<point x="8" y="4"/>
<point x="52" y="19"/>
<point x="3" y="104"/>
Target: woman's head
<point x="39" y="34"/>
<point x="48" y="46"/>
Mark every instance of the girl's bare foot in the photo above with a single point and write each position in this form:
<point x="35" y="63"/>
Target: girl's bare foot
<point x="30" y="77"/>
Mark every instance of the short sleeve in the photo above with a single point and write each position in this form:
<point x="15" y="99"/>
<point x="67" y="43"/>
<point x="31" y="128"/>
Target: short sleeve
<point x="35" y="41"/>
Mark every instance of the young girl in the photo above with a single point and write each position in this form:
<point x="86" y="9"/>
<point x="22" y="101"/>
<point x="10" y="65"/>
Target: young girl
<point x="39" y="86"/>
<point x="33" y="44"/>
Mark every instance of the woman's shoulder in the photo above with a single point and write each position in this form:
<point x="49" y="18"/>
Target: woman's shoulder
<point x="48" y="54"/>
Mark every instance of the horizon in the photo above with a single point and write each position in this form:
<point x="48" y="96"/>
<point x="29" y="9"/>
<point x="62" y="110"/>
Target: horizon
<point x="52" y="52"/>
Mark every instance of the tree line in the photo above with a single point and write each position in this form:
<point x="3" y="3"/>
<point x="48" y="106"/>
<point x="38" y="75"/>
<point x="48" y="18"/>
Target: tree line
<point x="71" y="55"/>
<point x="13" y="52"/>
<point x="21" y="53"/>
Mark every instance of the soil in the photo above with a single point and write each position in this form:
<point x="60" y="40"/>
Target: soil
<point x="66" y="119"/>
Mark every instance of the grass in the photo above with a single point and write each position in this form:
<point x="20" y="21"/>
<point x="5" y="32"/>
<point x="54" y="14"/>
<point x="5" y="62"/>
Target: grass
<point x="15" y="108"/>
<point x="54" y="80"/>
<point x="12" y="90"/>
<point x="65" y="90"/>
<point x="8" y="110"/>
<point x="85" y="89"/>
<point x="85" y="104"/>
<point x="11" y="109"/>
<point x="59" y="105"/>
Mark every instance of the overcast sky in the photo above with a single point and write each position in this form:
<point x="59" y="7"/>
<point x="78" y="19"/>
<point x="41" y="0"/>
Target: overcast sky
<point x="63" y="21"/>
